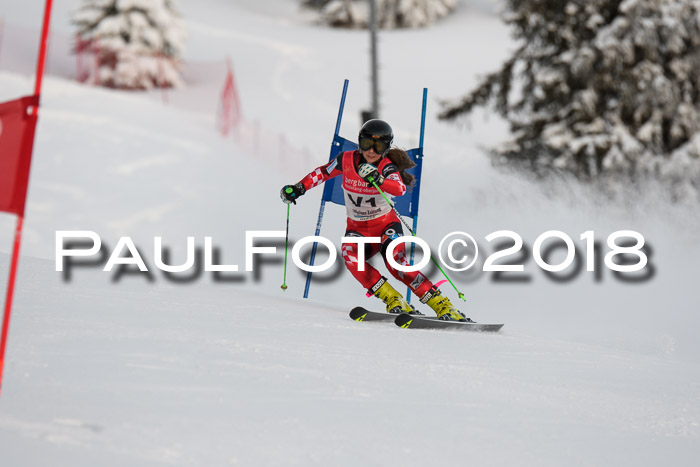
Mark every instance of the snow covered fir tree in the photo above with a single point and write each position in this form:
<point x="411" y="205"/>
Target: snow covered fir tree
<point x="391" y="14"/>
<point x="137" y="44"/>
<point x="605" y="89"/>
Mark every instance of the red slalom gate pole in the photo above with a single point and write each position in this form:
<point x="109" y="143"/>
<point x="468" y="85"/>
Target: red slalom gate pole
<point x="10" y="293"/>
<point x="41" y="63"/>
<point x="2" y="31"/>
<point x="43" y="44"/>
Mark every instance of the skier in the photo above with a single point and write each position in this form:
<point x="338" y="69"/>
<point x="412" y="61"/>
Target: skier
<point x="369" y="215"/>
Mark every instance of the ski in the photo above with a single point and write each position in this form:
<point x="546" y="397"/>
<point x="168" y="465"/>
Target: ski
<point x="362" y="314"/>
<point x="405" y="320"/>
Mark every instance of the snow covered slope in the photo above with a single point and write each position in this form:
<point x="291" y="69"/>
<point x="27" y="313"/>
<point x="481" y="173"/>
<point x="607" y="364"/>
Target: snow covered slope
<point x="147" y="375"/>
<point x="122" y="370"/>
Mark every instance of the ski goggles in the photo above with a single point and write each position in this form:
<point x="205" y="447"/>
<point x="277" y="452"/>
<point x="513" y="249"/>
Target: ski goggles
<point x="380" y="146"/>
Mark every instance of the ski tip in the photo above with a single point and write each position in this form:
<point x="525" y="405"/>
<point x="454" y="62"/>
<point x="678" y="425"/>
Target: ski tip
<point x="358" y="313"/>
<point x="404" y="320"/>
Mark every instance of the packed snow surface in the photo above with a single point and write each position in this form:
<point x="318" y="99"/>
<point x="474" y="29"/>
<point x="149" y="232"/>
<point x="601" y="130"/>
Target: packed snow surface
<point x="142" y="369"/>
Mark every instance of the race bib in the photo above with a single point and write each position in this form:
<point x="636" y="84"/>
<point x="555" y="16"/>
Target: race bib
<point x="364" y="207"/>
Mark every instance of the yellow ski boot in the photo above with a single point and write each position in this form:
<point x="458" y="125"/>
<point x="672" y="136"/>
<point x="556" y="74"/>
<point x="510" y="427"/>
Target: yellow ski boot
<point x="395" y="303"/>
<point x="442" y="306"/>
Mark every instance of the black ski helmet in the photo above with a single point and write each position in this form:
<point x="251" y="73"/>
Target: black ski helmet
<point x="377" y="129"/>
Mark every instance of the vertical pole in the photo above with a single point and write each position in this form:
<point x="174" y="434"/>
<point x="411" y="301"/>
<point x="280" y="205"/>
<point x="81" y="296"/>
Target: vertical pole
<point x="226" y="108"/>
<point x="340" y="110"/>
<point x="161" y="77"/>
<point x="286" y="246"/>
<point x="10" y="293"/>
<point x="2" y="31"/>
<point x="323" y="201"/>
<point x="422" y="120"/>
<point x="41" y="62"/>
<point x="420" y="155"/>
<point x="20" y="219"/>
<point x="78" y="58"/>
<point x="373" y="42"/>
<point x="96" y="60"/>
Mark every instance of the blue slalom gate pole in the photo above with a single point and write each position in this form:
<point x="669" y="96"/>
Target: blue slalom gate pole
<point x="420" y="154"/>
<point x="323" y="201"/>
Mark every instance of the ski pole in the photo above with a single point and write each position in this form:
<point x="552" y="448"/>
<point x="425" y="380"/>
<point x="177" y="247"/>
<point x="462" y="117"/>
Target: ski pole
<point x="286" y="244"/>
<point x="459" y="294"/>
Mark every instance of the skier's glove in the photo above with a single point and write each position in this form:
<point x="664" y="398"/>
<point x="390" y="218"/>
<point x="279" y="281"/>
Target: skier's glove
<point x="290" y="193"/>
<point x="369" y="173"/>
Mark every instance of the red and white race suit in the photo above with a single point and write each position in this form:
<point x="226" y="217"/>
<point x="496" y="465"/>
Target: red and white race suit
<point x="369" y="215"/>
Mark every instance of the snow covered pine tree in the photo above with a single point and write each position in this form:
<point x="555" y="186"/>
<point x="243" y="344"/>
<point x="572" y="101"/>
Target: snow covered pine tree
<point x="391" y="14"/>
<point x="138" y="43"/>
<point x="604" y="89"/>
